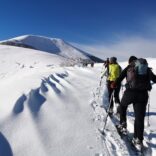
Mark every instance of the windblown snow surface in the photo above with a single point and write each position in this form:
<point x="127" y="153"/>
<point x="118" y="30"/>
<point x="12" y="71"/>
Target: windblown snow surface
<point x="47" y="109"/>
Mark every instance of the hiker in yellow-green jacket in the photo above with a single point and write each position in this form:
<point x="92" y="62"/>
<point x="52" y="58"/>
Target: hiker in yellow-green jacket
<point x="114" y="73"/>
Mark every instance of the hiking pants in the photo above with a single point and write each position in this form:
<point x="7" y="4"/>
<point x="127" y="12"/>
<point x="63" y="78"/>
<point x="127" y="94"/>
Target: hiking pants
<point x="139" y="100"/>
<point x="116" y="94"/>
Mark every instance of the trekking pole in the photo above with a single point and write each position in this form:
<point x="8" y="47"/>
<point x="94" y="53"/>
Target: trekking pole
<point x="149" y="101"/>
<point x="105" y="122"/>
<point x="122" y="88"/>
<point x="148" y="124"/>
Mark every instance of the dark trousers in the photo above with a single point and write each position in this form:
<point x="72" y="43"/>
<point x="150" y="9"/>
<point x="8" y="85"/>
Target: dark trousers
<point x="139" y="100"/>
<point x="116" y="94"/>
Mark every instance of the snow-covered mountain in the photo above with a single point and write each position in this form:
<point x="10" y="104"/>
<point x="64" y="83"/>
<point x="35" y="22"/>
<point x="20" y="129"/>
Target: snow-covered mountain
<point x="50" y="45"/>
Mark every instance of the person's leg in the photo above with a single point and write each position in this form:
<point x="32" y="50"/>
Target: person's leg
<point x="116" y="94"/>
<point x="123" y="113"/>
<point x="117" y="99"/>
<point x="128" y="98"/>
<point x="140" y="111"/>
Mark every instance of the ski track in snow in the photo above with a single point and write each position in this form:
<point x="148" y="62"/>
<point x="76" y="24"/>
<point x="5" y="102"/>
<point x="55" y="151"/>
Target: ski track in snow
<point x="111" y="141"/>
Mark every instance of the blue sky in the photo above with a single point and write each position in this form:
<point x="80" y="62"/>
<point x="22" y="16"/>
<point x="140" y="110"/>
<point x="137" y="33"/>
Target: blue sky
<point x="83" y="22"/>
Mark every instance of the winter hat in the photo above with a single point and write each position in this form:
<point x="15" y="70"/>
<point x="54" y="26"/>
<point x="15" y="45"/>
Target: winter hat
<point x="113" y="59"/>
<point x="131" y="59"/>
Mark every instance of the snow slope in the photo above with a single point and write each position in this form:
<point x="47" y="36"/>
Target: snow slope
<point x="51" y="45"/>
<point x="50" y="110"/>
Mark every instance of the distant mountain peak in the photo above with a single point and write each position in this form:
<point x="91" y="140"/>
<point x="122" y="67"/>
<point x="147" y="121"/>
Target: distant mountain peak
<point x="50" y="45"/>
<point x="36" y="37"/>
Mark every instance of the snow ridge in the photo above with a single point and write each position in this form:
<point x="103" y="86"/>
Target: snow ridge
<point x="50" y="45"/>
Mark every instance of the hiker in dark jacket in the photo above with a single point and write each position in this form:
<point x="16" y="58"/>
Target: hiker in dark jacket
<point x="139" y="98"/>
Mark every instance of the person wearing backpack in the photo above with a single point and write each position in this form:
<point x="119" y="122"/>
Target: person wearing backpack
<point x="138" y="76"/>
<point x="113" y="73"/>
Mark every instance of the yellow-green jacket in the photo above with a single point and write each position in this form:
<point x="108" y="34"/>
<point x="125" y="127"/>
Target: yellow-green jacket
<point x="114" y="72"/>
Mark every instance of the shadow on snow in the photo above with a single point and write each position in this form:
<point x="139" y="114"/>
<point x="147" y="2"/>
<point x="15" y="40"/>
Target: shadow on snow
<point x="35" y="100"/>
<point x="5" y="149"/>
<point x="19" y="105"/>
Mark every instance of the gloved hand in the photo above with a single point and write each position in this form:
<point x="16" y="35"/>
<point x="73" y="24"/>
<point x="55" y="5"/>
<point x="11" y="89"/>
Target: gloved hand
<point x="113" y="85"/>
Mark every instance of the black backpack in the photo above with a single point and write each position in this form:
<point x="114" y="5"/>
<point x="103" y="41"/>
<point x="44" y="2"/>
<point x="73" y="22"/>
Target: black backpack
<point x="138" y="75"/>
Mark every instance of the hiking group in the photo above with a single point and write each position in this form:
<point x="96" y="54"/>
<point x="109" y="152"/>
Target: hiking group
<point x="138" y="82"/>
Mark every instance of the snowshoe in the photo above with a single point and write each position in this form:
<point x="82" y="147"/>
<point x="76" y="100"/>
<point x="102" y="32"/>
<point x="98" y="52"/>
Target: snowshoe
<point x="137" y="144"/>
<point x="122" y="130"/>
